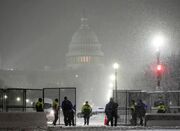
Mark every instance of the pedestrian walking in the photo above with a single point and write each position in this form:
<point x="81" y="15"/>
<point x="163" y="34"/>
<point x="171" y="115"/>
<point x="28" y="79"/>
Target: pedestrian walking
<point x="133" y="113"/>
<point x="141" y="111"/>
<point x="39" y="105"/>
<point x="67" y="111"/>
<point x="72" y="114"/>
<point x="111" y="112"/>
<point x="86" y="111"/>
<point x="56" y="110"/>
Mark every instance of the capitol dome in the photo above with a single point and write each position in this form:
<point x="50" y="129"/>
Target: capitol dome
<point x="84" y="47"/>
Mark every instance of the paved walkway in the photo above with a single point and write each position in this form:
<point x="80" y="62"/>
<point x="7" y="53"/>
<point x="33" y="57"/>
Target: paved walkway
<point x="118" y="128"/>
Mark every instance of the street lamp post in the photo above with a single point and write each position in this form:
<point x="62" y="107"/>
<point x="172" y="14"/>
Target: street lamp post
<point x="112" y="77"/>
<point x="158" y="41"/>
<point x="116" y="66"/>
<point x="158" y="68"/>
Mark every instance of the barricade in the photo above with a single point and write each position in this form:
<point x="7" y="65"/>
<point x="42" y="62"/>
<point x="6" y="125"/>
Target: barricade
<point x="162" y="119"/>
<point x="29" y="121"/>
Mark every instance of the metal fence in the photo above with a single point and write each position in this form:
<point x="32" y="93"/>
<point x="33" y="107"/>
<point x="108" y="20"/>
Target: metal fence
<point x="23" y="100"/>
<point x="20" y="100"/>
<point x="124" y="97"/>
<point x="59" y="93"/>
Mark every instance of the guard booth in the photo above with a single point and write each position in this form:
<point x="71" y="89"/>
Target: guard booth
<point x="150" y="98"/>
<point x="50" y="94"/>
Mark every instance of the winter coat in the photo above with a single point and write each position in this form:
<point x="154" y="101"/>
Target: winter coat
<point x="161" y="108"/>
<point x="55" y="106"/>
<point x="133" y="108"/>
<point x="39" y="106"/>
<point x="86" y="109"/>
<point x="141" y="109"/>
<point x="66" y="105"/>
<point x="111" y="109"/>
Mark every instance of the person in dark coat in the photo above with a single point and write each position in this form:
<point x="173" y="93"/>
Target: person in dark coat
<point x="72" y="114"/>
<point x="67" y="109"/>
<point x="39" y="105"/>
<point x="111" y="112"/>
<point x="141" y="111"/>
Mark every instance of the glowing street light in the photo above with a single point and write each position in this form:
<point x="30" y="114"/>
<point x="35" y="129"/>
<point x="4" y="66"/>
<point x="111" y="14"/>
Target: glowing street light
<point x="5" y="96"/>
<point x="18" y="99"/>
<point x="158" y="40"/>
<point x="115" y="66"/>
<point x="27" y="101"/>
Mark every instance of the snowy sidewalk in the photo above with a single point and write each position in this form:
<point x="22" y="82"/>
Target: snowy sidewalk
<point x="107" y="128"/>
<point x="97" y="124"/>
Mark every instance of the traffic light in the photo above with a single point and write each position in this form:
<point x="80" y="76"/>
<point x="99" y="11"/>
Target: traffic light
<point x="159" y="67"/>
<point x="159" y="71"/>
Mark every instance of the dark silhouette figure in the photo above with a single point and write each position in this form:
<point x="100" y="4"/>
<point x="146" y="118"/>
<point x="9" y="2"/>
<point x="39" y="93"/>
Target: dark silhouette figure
<point x="86" y="111"/>
<point x="56" y="110"/>
<point x="72" y="114"/>
<point x="67" y="111"/>
<point x="133" y="113"/>
<point x="111" y="112"/>
<point x="39" y="105"/>
<point x="141" y="111"/>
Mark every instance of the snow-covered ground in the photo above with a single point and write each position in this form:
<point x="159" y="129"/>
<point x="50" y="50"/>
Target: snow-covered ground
<point x="105" y="128"/>
<point x="95" y="120"/>
<point x="97" y="124"/>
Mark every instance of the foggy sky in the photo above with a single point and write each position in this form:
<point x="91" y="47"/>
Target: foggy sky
<point x="35" y="33"/>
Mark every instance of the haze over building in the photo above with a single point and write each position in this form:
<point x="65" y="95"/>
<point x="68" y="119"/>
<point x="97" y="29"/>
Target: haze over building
<point x="84" y="69"/>
<point x="85" y="59"/>
<point x="38" y="48"/>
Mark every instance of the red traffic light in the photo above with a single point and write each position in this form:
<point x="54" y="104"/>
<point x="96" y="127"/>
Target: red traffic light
<point x="159" y="67"/>
<point x="159" y="70"/>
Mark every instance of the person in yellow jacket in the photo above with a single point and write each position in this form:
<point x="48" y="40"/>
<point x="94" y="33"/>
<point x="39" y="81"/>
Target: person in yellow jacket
<point x="162" y="108"/>
<point x="133" y="109"/>
<point x="86" y="111"/>
<point x="56" y="110"/>
<point x="39" y="105"/>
